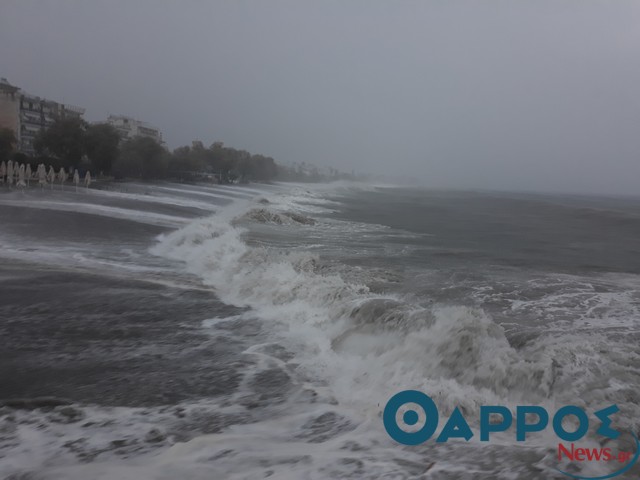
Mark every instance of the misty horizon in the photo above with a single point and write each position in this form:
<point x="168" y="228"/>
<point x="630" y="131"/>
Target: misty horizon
<point x="533" y="96"/>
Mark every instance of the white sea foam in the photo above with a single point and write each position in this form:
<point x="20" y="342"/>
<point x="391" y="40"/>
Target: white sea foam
<point x="458" y="354"/>
<point x="213" y="192"/>
<point x="154" y="198"/>
<point x="352" y="349"/>
<point x="457" y="351"/>
<point x="140" y="216"/>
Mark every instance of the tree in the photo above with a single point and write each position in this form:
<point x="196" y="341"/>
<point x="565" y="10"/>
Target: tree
<point x="229" y="163"/>
<point x="101" y="146"/>
<point x="242" y="164"/>
<point x="141" y="157"/>
<point x="220" y="160"/>
<point x="64" y="140"/>
<point x="187" y="160"/>
<point x="263" y="168"/>
<point x="7" y="143"/>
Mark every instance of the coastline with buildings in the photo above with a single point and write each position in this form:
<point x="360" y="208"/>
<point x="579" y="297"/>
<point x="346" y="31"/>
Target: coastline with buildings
<point x="36" y="130"/>
<point x="27" y="114"/>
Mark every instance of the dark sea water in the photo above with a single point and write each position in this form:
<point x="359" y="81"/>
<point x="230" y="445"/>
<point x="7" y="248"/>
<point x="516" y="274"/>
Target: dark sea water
<point x="210" y="332"/>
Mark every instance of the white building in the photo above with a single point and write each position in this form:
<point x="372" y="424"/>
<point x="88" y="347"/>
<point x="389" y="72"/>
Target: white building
<point x="131" y="128"/>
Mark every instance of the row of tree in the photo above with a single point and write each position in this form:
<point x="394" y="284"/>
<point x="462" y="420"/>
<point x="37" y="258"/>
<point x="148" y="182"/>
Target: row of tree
<point x="228" y="164"/>
<point x="67" y="142"/>
<point x="72" y="142"/>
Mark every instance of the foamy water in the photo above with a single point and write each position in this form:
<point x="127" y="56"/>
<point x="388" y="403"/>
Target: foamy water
<point x="349" y="311"/>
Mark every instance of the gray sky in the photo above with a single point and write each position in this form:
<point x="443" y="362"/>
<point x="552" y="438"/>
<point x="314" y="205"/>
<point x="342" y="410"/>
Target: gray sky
<point x="536" y="95"/>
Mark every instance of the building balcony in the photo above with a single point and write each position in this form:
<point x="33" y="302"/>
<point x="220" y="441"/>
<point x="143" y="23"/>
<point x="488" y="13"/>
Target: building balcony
<point x="72" y="109"/>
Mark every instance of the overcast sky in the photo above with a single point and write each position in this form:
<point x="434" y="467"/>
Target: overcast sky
<point x="536" y="95"/>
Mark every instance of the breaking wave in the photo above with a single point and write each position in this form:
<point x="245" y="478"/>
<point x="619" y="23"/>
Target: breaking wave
<point x="353" y="345"/>
<point x="262" y="215"/>
<point x="365" y="345"/>
<point x="302" y="371"/>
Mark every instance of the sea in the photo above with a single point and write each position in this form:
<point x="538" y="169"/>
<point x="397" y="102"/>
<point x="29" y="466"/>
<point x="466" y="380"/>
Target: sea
<point x="172" y="331"/>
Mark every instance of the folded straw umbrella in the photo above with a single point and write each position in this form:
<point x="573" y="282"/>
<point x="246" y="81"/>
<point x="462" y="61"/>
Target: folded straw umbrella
<point x="51" y="176"/>
<point x="21" y="171"/>
<point x="76" y="178"/>
<point x="42" y="175"/>
<point x="10" y="173"/>
<point x="62" y="176"/>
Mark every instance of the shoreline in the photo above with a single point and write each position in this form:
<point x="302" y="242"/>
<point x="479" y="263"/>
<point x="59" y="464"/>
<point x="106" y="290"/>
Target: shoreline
<point x="74" y="330"/>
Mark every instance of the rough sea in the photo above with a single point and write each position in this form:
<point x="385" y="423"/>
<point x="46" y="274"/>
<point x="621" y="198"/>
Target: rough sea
<point x="243" y="332"/>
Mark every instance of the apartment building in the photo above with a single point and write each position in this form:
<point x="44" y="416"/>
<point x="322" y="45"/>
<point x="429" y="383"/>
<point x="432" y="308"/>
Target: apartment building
<point x="28" y="114"/>
<point x="130" y="128"/>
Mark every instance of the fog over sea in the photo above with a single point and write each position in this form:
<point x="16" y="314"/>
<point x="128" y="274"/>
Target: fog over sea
<point x="238" y="332"/>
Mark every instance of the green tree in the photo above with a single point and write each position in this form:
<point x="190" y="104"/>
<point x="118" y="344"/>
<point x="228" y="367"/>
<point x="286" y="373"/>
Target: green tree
<point x="263" y="168"/>
<point x="7" y="143"/>
<point x="225" y="161"/>
<point x="64" y="141"/>
<point x="101" y="146"/>
<point x="141" y="157"/>
<point x="185" y="161"/>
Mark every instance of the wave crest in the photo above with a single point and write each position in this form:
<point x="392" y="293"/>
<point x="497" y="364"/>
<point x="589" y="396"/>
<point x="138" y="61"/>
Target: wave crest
<point x="369" y="345"/>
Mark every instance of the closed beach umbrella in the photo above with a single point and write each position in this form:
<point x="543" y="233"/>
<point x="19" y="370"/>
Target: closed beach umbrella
<point x="62" y="176"/>
<point x="21" y="172"/>
<point x="10" y="173"/>
<point x="76" y="179"/>
<point x="51" y="176"/>
<point x="27" y="173"/>
<point x="42" y="175"/>
<point x="87" y="179"/>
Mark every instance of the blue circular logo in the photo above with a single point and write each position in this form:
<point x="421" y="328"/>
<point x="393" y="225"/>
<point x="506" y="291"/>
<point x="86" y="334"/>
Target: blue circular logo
<point x="410" y="417"/>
